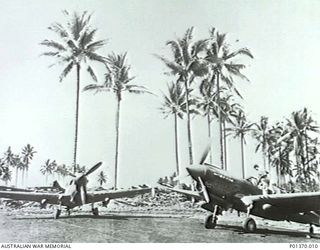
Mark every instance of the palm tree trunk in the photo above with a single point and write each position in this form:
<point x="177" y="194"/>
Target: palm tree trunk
<point x="279" y="168"/>
<point x="225" y="146"/>
<point x="77" y="120"/>
<point x="220" y="123"/>
<point x="22" y="177"/>
<point x="264" y="153"/>
<point x="17" y="176"/>
<point x="242" y="157"/>
<point x="209" y="134"/>
<point x="176" y="143"/>
<point x="307" y="153"/>
<point x="117" y="144"/>
<point x="188" y="122"/>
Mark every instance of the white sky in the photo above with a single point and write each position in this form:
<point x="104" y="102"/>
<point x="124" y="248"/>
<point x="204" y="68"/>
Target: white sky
<point x="35" y="108"/>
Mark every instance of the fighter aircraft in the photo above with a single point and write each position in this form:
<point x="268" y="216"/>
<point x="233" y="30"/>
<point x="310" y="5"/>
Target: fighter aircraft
<point x="75" y="195"/>
<point x="221" y="191"/>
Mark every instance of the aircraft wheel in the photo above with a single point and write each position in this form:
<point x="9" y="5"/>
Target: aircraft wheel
<point x="95" y="211"/>
<point x="210" y="222"/>
<point x="249" y="225"/>
<point x="311" y="230"/>
<point x="57" y="213"/>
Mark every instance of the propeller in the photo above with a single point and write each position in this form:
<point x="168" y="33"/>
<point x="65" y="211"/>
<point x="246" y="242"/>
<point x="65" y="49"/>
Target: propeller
<point x="204" y="190"/>
<point x="81" y="183"/>
<point x="94" y="168"/>
<point x="205" y="154"/>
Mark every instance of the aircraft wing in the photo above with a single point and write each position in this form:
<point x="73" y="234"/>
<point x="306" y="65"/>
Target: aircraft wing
<point x="291" y="202"/>
<point x="189" y="193"/>
<point x="115" y="194"/>
<point x="50" y="198"/>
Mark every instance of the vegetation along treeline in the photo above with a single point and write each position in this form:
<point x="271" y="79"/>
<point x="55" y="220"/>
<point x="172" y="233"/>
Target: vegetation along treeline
<point x="202" y="77"/>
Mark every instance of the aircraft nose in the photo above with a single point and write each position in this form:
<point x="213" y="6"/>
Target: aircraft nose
<point x="197" y="171"/>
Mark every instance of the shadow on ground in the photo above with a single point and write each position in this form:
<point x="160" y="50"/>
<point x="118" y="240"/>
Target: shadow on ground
<point x="264" y="232"/>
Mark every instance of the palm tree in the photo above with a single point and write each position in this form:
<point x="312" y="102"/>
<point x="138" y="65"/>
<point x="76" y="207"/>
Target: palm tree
<point x="102" y="178"/>
<point x="6" y="175"/>
<point x="48" y="168"/>
<point x="186" y="65"/>
<point x="300" y="124"/>
<point x="27" y="155"/>
<point x="174" y="104"/>
<point x="77" y="46"/>
<point x="9" y="161"/>
<point x="219" y="59"/>
<point x="260" y="133"/>
<point x="62" y="171"/>
<point x="117" y="80"/>
<point x="228" y="110"/>
<point x="242" y="128"/>
<point x="208" y="104"/>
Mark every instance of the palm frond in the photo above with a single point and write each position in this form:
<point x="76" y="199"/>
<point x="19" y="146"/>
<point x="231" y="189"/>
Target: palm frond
<point x="242" y="51"/>
<point x="66" y="71"/>
<point x="92" y="74"/>
<point x="53" y="44"/>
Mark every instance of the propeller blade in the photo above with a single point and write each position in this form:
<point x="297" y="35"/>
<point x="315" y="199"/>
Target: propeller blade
<point x="204" y="191"/>
<point x="83" y="195"/>
<point x="205" y="154"/>
<point x="94" y="168"/>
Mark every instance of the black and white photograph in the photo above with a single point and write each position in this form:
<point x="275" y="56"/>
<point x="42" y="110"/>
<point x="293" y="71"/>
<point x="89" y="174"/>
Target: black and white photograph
<point x="159" y="121"/>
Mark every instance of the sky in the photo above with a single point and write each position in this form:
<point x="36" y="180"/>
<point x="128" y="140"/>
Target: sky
<point x="36" y="108"/>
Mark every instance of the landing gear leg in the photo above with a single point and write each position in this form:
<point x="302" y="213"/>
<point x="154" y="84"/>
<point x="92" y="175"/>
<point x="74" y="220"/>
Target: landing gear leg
<point x="249" y="225"/>
<point x="68" y="211"/>
<point x="95" y="210"/>
<point x="57" y="212"/>
<point x="211" y="220"/>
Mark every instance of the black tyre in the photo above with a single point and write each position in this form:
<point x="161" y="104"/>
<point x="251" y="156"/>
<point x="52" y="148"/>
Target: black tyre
<point x="95" y="211"/>
<point x="210" y="222"/>
<point x="249" y="225"/>
<point x="311" y="230"/>
<point x="57" y="214"/>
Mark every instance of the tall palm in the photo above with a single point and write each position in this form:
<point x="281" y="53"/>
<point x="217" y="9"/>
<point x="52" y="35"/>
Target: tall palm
<point x="117" y="80"/>
<point x="27" y="155"/>
<point x="48" y="168"/>
<point x="174" y="104"/>
<point x="6" y="175"/>
<point x="241" y="129"/>
<point x="62" y="171"/>
<point x="228" y="110"/>
<point x="187" y="66"/>
<point x="220" y="62"/>
<point x="207" y="103"/>
<point x="75" y="48"/>
<point x="260" y="133"/>
<point x="299" y="127"/>
<point x="102" y="178"/>
<point x="9" y="160"/>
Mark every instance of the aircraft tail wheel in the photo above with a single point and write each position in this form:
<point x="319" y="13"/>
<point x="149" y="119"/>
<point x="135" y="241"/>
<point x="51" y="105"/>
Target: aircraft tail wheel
<point x="210" y="222"/>
<point x="249" y="225"/>
<point x="95" y="211"/>
<point x="57" y="213"/>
